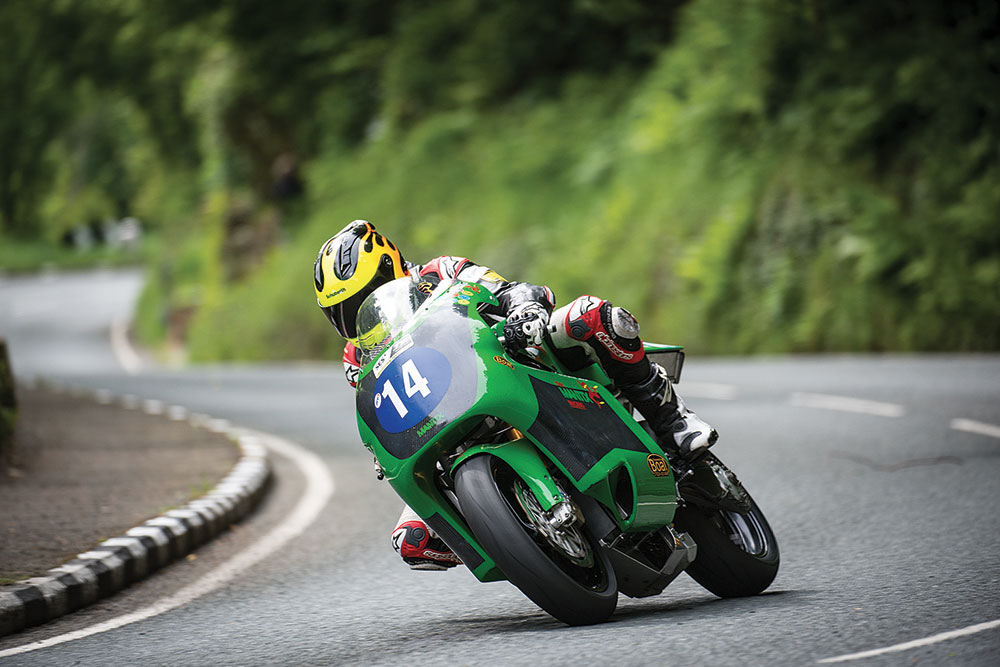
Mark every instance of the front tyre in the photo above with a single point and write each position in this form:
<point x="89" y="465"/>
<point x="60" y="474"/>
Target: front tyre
<point x="567" y="577"/>
<point x="737" y="550"/>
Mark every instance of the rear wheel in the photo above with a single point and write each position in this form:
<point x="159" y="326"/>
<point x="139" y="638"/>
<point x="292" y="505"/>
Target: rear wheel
<point x="560" y="570"/>
<point x="737" y="550"/>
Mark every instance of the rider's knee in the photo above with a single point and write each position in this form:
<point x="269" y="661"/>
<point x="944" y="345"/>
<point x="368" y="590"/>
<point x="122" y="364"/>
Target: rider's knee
<point x="624" y="326"/>
<point x="601" y="325"/>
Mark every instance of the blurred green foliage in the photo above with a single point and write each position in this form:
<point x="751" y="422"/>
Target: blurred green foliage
<point x="765" y="176"/>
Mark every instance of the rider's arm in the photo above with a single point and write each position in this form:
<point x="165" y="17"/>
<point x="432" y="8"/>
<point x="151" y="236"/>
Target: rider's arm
<point x="352" y="363"/>
<point x="512" y="295"/>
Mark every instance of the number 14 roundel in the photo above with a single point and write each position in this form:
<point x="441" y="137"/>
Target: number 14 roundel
<point x="410" y="387"/>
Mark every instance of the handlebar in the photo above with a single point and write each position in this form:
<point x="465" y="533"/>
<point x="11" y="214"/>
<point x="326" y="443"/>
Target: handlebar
<point x="551" y="328"/>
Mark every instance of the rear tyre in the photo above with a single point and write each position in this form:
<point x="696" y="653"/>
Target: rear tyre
<point x="737" y="550"/>
<point x="567" y="577"/>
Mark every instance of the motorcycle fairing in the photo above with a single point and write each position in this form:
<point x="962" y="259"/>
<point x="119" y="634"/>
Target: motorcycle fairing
<point x="586" y="431"/>
<point x="450" y="338"/>
<point x="573" y="422"/>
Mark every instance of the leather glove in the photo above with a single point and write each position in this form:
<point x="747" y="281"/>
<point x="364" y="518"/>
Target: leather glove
<point x="525" y="326"/>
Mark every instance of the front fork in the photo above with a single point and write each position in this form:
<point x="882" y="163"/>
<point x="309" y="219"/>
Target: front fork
<point x="521" y="455"/>
<point x="543" y="500"/>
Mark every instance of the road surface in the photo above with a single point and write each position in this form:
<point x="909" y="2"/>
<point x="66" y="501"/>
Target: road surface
<point x="880" y="476"/>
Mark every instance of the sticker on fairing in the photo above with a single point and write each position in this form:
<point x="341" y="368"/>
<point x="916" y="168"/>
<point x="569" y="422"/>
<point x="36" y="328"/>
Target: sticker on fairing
<point x="410" y="387"/>
<point x="494" y="277"/>
<point x="657" y="465"/>
<point x="396" y="349"/>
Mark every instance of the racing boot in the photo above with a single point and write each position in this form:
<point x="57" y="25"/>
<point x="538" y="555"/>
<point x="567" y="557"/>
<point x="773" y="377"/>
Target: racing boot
<point x="419" y="546"/>
<point x="679" y="431"/>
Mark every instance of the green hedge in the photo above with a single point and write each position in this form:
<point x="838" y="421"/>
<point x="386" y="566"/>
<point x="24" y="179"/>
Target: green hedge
<point x="785" y="176"/>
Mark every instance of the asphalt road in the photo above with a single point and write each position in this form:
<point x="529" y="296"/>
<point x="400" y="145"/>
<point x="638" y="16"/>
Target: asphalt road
<point x="880" y="476"/>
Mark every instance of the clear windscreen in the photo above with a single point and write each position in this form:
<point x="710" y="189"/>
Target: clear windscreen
<point x="384" y="313"/>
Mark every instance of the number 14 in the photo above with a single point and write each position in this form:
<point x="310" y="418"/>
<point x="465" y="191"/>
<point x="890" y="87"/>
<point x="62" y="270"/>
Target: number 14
<point x="413" y="383"/>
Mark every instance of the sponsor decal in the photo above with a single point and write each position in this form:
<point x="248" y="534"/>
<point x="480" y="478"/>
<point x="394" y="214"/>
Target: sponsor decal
<point x="333" y="294"/>
<point x="394" y="351"/>
<point x="462" y="302"/>
<point x="450" y="266"/>
<point x="494" y="277"/>
<point x="425" y="287"/>
<point x="595" y="395"/>
<point x="581" y="398"/>
<point x="612" y="347"/>
<point x="475" y="289"/>
<point x="582" y="305"/>
<point x="500" y="360"/>
<point x="657" y="465"/>
<point x="431" y="422"/>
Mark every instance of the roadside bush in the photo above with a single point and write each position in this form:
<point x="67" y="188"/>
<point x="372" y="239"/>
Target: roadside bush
<point x="783" y="176"/>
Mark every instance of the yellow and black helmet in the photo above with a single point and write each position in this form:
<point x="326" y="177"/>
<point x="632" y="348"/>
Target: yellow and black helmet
<point x="350" y="266"/>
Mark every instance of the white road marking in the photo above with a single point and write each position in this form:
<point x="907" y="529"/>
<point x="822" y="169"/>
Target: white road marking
<point x="123" y="351"/>
<point x="847" y="404"/>
<point x="722" y="392"/>
<point x="971" y="426"/>
<point x="319" y="487"/>
<point x="917" y="643"/>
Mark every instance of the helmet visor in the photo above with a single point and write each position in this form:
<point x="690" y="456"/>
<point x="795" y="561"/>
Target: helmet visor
<point x="344" y="315"/>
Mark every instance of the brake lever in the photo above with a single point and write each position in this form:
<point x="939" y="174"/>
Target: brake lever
<point x="551" y="328"/>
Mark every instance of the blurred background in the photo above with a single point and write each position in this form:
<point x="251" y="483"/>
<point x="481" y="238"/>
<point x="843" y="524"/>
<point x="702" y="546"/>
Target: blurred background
<point x="746" y="176"/>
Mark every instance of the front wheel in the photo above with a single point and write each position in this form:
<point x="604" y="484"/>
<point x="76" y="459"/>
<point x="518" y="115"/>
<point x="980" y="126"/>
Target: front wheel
<point x="562" y="572"/>
<point x="737" y="550"/>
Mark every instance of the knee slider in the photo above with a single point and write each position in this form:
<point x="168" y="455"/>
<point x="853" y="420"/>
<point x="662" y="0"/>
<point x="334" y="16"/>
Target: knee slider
<point x="623" y="324"/>
<point x="622" y="330"/>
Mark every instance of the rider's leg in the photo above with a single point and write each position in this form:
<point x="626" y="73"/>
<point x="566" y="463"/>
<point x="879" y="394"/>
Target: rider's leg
<point x="668" y="416"/>
<point x="593" y="329"/>
<point x="419" y="546"/>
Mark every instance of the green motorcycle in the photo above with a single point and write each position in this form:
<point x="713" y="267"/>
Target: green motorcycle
<point x="537" y="475"/>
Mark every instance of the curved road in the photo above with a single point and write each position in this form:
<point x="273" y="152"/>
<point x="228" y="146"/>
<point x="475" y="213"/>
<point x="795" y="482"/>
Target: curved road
<point x="880" y="475"/>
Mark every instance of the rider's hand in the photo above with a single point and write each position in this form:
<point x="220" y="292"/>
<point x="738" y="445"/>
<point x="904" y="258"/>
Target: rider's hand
<point x="525" y="326"/>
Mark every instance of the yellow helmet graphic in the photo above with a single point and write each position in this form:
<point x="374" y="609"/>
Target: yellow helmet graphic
<point x="350" y="266"/>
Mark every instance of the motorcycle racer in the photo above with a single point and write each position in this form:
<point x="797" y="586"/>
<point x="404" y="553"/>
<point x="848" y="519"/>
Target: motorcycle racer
<point x="357" y="260"/>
